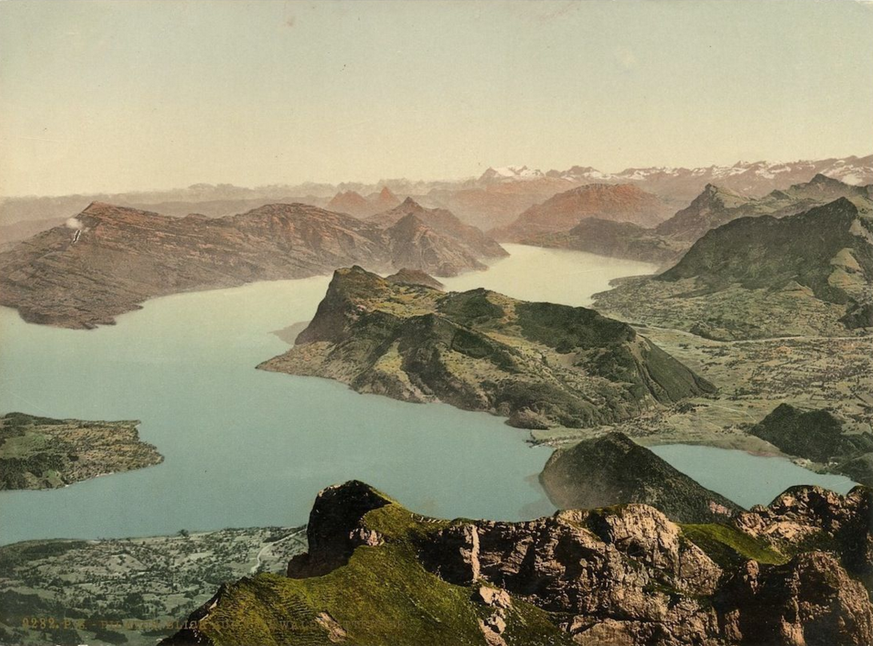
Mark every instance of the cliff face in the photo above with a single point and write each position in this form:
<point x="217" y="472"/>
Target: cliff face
<point x="108" y="259"/>
<point x="539" y="364"/>
<point x="613" y="469"/>
<point x="620" y="576"/>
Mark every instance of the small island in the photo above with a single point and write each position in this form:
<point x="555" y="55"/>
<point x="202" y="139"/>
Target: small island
<point x="45" y="453"/>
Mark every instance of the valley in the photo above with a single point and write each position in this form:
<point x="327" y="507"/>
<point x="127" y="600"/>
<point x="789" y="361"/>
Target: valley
<point x="133" y="591"/>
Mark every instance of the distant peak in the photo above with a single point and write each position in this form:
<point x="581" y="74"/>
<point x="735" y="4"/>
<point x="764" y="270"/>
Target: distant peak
<point x="386" y="193"/>
<point x="714" y="192"/>
<point x="823" y="180"/>
<point x="410" y="203"/>
<point x="97" y="206"/>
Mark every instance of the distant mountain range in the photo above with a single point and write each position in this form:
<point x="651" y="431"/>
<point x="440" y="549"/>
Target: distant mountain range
<point x="108" y="259"/>
<point x="746" y="178"/>
<point x="494" y="199"/>
<point x="356" y="204"/>
<point x="810" y="273"/>
<point x="618" y="203"/>
<point x="665" y="243"/>
<point x="539" y="364"/>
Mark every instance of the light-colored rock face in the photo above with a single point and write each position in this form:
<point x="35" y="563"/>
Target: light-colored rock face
<point x="810" y="600"/>
<point x="629" y="576"/>
<point x="631" y="568"/>
<point x="654" y="541"/>
<point x="619" y="576"/>
<point x="802" y="512"/>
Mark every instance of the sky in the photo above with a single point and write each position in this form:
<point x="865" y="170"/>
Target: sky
<point x="125" y="95"/>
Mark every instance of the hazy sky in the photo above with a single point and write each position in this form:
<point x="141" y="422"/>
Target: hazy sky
<point x="135" y="95"/>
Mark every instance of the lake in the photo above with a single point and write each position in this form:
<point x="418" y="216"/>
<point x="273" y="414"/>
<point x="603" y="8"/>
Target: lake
<point x="250" y="448"/>
<point x="744" y="478"/>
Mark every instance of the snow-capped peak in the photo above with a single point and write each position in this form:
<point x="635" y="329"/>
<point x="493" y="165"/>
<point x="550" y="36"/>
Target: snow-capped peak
<point x="511" y="173"/>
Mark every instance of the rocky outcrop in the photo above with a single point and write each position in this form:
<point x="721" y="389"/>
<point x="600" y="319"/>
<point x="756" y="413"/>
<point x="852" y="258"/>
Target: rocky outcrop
<point x="333" y="531"/>
<point x="538" y="364"/>
<point x="613" y="469"/>
<point x="108" y="259"/>
<point x="812" y="517"/>
<point x="620" y="576"/>
<point x="810" y="600"/>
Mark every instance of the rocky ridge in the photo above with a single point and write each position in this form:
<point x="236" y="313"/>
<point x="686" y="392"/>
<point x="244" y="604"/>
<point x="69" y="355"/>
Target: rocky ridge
<point x="790" y="574"/>
<point x="666" y="243"/>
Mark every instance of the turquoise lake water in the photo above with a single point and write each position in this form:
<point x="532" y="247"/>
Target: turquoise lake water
<point x="247" y="448"/>
<point x="744" y="478"/>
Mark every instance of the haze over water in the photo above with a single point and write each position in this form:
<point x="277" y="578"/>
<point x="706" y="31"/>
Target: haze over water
<point x="245" y="447"/>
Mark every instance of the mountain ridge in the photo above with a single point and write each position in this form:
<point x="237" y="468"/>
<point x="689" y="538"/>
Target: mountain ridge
<point x="108" y="259"/>
<point x="377" y="574"/>
<point x="755" y="277"/>
<point x="538" y="364"/>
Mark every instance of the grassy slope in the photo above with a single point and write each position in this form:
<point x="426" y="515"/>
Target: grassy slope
<point x="728" y="546"/>
<point x="383" y="597"/>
